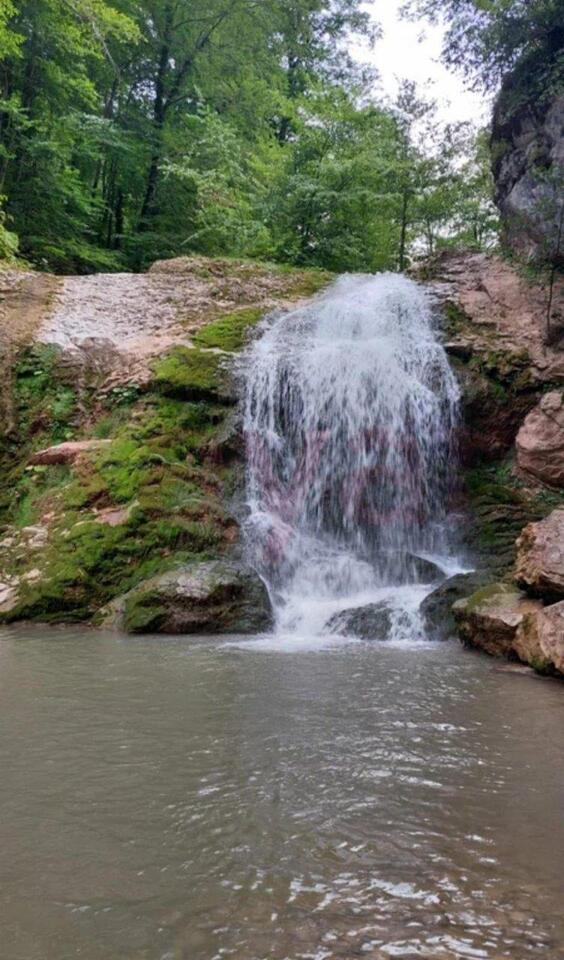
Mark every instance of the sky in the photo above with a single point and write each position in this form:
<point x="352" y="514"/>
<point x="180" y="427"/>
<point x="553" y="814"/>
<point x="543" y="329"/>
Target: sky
<point x="412" y="51"/>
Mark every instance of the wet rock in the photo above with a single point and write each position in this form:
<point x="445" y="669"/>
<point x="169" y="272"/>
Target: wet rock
<point x="401" y="568"/>
<point x="372" y="622"/>
<point x="217" y="596"/>
<point x="66" y="453"/>
<point x="227" y="444"/>
<point x="540" y="639"/>
<point x="420" y="570"/>
<point x="540" y="557"/>
<point x="540" y="441"/>
<point x="490" y="618"/>
<point x="436" y="609"/>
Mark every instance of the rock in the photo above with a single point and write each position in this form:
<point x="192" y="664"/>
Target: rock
<point x="540" y="441"/>
<point x="489" y="619"/>
<point x="32" y="576"/>
<point x="528" y="152"/>
<point x="494" y="318"/>
<point x="115" y="516"/>
<point x="408" y="568"/>
<point x="540" y="639"/>
<point x="372" y="622"/>
<point x="540" y="557"/>
<point x="35" y="537"/>
<point x="8" y="596"/>
<point x="228" y="443"/>
<point x="214" y="597"/>
<point x="436" y="609"/>
<point x="66" y="453"/>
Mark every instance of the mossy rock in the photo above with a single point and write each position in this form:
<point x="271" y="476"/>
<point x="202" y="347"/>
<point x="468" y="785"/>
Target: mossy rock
<point x="436" y="609"/>
<point x="193" y="374"/>
<point x="214" y="597"/>
<point x="231" y="331"/>
<point x="500" y="506"/>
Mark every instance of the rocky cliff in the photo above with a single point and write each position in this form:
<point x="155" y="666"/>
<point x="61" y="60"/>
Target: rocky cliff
<point x="528" y="153"/>
<point x="512" y="451"/>
<point x="120" y="453"/>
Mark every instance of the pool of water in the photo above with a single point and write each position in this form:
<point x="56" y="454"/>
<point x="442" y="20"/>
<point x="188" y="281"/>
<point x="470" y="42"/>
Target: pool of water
<point x="177" y="799"/>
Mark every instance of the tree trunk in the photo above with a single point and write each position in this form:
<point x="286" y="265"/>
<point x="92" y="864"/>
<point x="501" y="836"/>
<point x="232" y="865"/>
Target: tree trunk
<point x="148" y="208"/>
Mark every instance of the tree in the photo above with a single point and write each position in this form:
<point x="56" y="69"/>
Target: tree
<point x="487" y="39"/>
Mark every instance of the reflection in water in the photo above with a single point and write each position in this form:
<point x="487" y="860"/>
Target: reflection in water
<point x="177" y="800"/>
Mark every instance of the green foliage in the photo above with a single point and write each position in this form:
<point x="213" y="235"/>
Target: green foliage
<point x="487" y="39"/>
<point x="132" y="132"/>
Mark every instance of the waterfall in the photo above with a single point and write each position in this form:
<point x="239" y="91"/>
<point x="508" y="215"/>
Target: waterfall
<point x="349" y="411"/>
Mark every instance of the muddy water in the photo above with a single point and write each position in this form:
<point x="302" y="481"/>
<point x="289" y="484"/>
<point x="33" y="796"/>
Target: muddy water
<point x="167" y="799"/>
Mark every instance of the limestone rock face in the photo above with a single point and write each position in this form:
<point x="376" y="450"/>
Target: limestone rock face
<point x="540" y="639"/>
<point x="65" y="453"/>
<point x="527" y="144"/>
<point x="372" y="622"/>
<point x="490" y="618"/>
<point x="213" y="597"/>
<point x="540" y="556"/>
<point x="540" y="441"/>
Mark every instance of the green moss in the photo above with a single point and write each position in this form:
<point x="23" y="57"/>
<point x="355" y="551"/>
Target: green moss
<point x="454" y="316"/>
<point x="487" y="595"/>
<point x="230" y="331"/>
<point x="501" y="505"/>
<point x="544" y="667"/>
<point x="46" y="406"/>
<point x="190" y="374"/>
<point x="124" y="468"/>
<point x="309" y="282"/>
<point x="142" y="615"/>
<point x="184" y="427"/>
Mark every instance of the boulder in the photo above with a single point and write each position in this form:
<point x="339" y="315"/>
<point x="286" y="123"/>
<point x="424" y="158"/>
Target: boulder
<point x="490" y="618"/>
<point x="540" y="639"/>
<point x="213" y="597"/>
<point x="401" y="567"/>
<point x="540" y="557"/>
<point x="66" y="453"/>
<point x="540" y="441"/>
<point x="436" y="609"/>
<point x="372" y="622"/>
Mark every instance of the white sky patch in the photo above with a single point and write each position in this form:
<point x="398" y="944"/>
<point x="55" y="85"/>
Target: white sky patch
<point x="412" y="51"/>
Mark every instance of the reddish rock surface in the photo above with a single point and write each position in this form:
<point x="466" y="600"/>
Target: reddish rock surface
<point x="501" y="312"/>
<point x="540" y="556"/>
<point x="540" y="639"/>
<point x="490" y="618"/>
<point x="65" y="453"/>
<point x="540" y="441"/>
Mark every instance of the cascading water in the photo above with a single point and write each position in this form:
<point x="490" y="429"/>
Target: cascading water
<point x="350" y="405"/>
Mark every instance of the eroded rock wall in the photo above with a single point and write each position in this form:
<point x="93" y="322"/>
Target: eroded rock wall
<point x="121" y="456"/>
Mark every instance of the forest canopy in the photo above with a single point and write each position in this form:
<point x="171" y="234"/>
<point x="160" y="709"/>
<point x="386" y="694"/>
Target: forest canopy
<point x="135" y="131"/>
